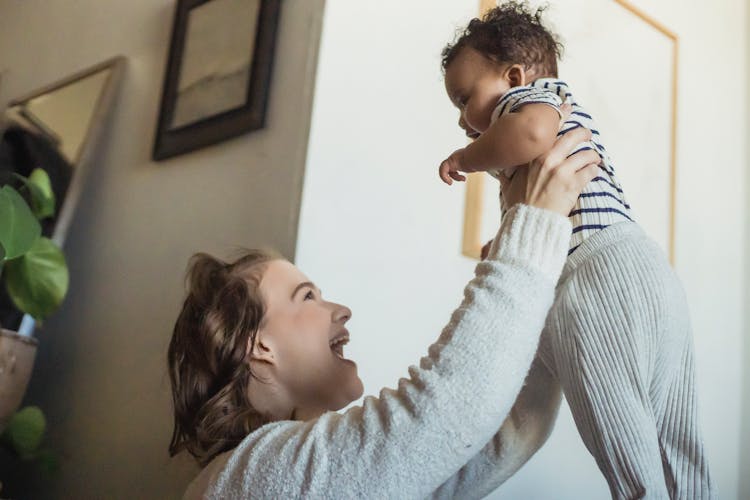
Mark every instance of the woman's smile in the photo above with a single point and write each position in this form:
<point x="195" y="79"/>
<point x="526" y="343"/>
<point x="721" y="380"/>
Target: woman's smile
<point x="338" y="342"/>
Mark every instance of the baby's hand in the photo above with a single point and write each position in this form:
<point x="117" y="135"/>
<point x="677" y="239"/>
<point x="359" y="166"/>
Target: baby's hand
<point x="451" y="166"/>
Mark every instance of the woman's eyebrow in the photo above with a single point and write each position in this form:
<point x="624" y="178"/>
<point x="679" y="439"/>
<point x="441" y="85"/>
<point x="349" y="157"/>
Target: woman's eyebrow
<point x="301" y="286"/>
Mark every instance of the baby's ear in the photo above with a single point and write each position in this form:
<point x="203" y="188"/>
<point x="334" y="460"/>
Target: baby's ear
<point x="516" y="75"/>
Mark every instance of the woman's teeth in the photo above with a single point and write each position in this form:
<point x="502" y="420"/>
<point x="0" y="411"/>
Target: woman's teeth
<point x="338" y="346"/>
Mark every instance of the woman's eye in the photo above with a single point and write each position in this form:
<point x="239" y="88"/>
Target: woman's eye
<point x="309" y="295"/>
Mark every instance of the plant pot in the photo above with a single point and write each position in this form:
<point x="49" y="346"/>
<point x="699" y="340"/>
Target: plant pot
<point x="16" y="362"/>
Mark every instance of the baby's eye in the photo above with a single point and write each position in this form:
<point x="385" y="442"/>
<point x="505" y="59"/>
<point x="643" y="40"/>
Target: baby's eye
<point x="462" y="101"/>
<point x="309" y="295"/>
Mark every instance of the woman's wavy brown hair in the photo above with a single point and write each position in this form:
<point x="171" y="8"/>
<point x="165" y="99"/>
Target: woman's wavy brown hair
<point x="207" y="362"/>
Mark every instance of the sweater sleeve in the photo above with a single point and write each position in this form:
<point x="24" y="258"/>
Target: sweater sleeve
<point x="523" y="432"/>
<point x="409" y="440"/>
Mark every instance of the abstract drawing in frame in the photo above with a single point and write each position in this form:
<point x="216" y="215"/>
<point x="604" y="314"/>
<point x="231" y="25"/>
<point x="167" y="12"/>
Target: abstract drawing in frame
<point x="218" y="73"/>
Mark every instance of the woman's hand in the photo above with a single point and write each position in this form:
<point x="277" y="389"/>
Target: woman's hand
<point x="554" y="180"/>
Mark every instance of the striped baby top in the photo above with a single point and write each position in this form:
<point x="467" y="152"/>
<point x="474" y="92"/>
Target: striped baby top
<point x="602" y="202"/>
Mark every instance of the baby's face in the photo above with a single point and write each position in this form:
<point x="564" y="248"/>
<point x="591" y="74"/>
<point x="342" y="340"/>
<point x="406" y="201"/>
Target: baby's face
<point x="474" y="85"/>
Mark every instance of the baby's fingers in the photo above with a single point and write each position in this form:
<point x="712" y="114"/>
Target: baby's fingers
<point x="444" y="172"/>
<point x="457" y="176"/>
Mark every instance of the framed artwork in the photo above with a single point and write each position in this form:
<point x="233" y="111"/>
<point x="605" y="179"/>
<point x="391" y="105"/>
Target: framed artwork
<point x="608" y="47"/>
<point x="218" y="73"/>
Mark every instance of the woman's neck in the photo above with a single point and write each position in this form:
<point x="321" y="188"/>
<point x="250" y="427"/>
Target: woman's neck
<point x="304" y="414"/>
<point x="275" y="404"/>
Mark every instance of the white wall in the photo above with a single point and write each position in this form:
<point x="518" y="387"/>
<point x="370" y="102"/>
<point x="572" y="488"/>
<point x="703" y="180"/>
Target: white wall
<point x="379" y="232"/>
<point x="745" y="434"/>
<point x="101" y="371"/>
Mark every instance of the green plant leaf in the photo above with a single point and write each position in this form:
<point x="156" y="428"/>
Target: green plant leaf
<point x="42" y="196"/>
<point x="25" y="431"/>
<point x="38" y="281"/>
<point x="48" y="461"/>
<point x="19" y="229"/>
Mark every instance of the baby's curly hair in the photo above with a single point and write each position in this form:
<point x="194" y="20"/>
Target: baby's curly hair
<point x="510" y="33"/>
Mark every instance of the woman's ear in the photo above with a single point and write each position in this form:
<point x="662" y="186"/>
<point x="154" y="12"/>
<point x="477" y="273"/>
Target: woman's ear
<point x="262" y="351"/>
<point x="516" y="75"/>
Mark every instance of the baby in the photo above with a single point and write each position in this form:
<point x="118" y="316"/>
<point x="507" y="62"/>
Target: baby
<point x="618" y="338"/>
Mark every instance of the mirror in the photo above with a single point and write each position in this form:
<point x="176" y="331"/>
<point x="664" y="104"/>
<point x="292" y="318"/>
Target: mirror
<point x="64" y="114"/>
<point x="56" y="128"/>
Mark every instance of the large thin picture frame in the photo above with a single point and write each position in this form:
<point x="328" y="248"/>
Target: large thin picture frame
<point x="218" y="73"/>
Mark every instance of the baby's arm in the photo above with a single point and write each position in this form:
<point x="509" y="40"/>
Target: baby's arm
<point x="514" y="139"/>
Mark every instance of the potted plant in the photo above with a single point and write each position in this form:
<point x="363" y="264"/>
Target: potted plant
<point x="34" y="273"/>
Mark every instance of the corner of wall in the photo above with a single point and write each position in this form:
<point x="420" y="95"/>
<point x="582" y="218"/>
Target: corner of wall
<point x="310" y="75"/>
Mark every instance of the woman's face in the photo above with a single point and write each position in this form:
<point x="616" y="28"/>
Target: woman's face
<point x="304" y="338"/>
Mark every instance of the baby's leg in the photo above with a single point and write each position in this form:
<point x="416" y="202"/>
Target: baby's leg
<point x="674" y="398"/>
<point x="603" y="343"/>
<point x="606" y="382"/>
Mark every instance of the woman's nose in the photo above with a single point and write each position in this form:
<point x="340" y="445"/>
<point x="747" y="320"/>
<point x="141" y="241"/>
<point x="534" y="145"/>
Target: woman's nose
<point x="341" y="314"/>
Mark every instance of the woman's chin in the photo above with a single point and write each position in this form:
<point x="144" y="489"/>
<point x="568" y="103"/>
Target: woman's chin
<point x="358" y="389"/>
<point x="352" y="390"/>
<point x="350" y="386"/>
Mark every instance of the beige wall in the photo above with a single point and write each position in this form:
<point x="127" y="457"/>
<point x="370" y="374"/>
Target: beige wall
<point x="100" y="375"/>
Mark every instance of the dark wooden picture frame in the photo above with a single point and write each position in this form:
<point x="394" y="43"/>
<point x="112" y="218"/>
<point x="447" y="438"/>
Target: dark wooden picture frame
<point x="171" y="139"/>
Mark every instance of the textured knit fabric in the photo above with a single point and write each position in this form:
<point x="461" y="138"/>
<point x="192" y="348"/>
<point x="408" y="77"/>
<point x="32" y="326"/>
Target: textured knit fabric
<point x="523" y="432"/>
<point x="409" y="440"/>
<point x="618" y="341"/>
<point x="602" y="203"/>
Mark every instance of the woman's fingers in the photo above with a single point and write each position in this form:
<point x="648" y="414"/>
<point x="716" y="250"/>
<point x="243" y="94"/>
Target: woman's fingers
<point x="569" y="140"/>
<point x="585" y="175"/>
<point x="565" y="110"/>
<point x="565" y="145"/>
<point x="577" y="171"/>
<point x="580" y="160"/>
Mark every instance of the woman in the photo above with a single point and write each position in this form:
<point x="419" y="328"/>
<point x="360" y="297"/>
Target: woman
<point x="258" y="370"/>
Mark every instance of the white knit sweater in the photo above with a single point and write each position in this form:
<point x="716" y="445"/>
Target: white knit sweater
<point x="618" y="344"/>
<point x="409" y="441"/>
